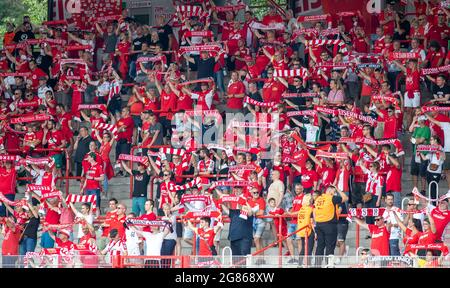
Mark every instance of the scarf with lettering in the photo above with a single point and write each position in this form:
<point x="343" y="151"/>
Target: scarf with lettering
<point x="133" y="158"/>
<point x="301" y="113"/>
<point x="437" y="70"/>
<point x="364" y="212"/>
<point x="314" y="18"/>
<point x="204" y="213"/>
<point x="229" y="184"/>
<point x="198" y="48"/>
<point x="101" y="107"/>
<point x="428" y="148"/>
<point x="204" y="33"/>
<point x="403" y="55"/>
<point x="14" y="74"/>
<point x="237" y="168"/>
<point x="262" y="125"/>
<point x="149" y="59"/>
<point x="21" y="202"/>
<point x="381" y="98"/>
<point x="324" y="154"/>
<point x="295" y="95"/>
<point x="239" y="200"/>
<point x="191" y="198"/>
<point x="417" y="194"/>
<point x="345" y="113"/>
<point x="257" y="103"/>
<point x="30" y="118"/>
<point x="194" y="182"/>
<point x="435" y="108"/>
<point x="272" y="26"/>
<point x="5" y="157"/>
<point x="301" y="72"/>
<point x="77" y="47"/>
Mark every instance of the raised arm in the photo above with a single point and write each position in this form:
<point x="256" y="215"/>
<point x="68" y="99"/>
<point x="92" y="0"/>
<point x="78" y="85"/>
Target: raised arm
<point x="362" y="223"/>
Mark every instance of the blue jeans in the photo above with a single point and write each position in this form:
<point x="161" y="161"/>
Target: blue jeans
<point x="47" y="241"/>
<point x="218" y="77"/>
<point x="167" y="248"/>
<point x="95" y="192"/>
<point x="105" y="185"/>
<point x="27" y="245"/>
<point x="138" y="205"/>
<point x="132" y="69"/>
<point x="394" y="248"/>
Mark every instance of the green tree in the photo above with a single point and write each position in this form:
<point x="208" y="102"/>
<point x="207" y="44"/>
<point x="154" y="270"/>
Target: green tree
<point x="14" y="10"/>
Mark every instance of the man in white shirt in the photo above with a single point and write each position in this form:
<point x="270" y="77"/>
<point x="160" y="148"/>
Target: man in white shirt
<point x="395" y="232"/>
<point x="153" y="242"/>
<point x="133" y="241"/>
<point x="445" y="126"/>
<point x="43" y="87"/>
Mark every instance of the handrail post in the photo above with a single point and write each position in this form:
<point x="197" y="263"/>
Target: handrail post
<point x="306" y="247"/>
<point x="67" y="171"/>
<point x="357" y="235"/>
<point x="280" y="242"/>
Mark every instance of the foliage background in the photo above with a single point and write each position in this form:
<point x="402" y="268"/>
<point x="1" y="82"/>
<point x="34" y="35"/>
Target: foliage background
<point x="14" y="10"/>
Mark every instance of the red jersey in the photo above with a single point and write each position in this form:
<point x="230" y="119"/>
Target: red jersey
<point x="128" y="133"/>
<point x="235" y="88"/>
<point x="54" y="140"/>
<point x="276" y="221"/>
<point x="296" y="206"/>
<point x="426" y="238"/>
<point x="412" y="80"/>
<point x="308" y="178"/>
<point x="272" y="91"/>
<point x="206" y="241"/>
<point x="10" y="244"/>
<point x="394" y="179"/>
<point x="441" y="220"/>
<point x="164" y="198"/>
<point x="380" y="240"/>
<point x="150" y="217"/>
<point x="409" y="238"/>
<point x="434" y="58"/>
<point x="109" y="217"/>
<point x="168" y="103"/>
<point x="94" y="171"/>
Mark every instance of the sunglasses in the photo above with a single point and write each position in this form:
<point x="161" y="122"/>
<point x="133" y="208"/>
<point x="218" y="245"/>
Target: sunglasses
<point x="166" y="174"/>
<point x="411" y="204"/>
<point x="378" y="219"/>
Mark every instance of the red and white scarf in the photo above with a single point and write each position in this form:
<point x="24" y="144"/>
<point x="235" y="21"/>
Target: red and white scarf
<point x="229" y="184"/>
<point x="21" y="202"/>
<point x="428" y="148"/>
<point x="257" y="103"/>
<point x="195" y="182"/>
<point x="364" y="212"/>
<point x="108" y="127"/>
<point x="301" y="113"/>
<point x="435" y="246"/>
<point x="72" y="198"/>
<point x="198" y="48"/>
<point x="324" y="154"/>
<point x="5" y="157"/>
<point x="295" y="95"/>
<point x="237" y="168"/>
<point x="133" y="158"/>
<point x="403" y="55"/>
<point x="229" y="8"/>
<point x="30" y="118"/>
<point x="437" y="70"/>
<point x="340" y="43"/>
<point x="204" y="213"/>
<point x="15" y="74"/>
<point x="191" y="198"/>
<point x="301" y="72"/>
<point x="435" y="108"/>
<point x="272" y="26"/>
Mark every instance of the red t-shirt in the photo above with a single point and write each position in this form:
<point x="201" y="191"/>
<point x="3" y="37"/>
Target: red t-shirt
<point x="35" y="75"/>
<point x="109" y="217"/>
<point x="128" y="133"/>
<point x="412" y="80"/>
<point x="8" y="181"/>
<point x="94" y="171"/>
<point x="168" y="103"/>
<point x="410" y="239"/>
<point x="380" y="240"/>
<point x="308" y="178"/>
<point x="235" y="88"/>
<point x="276" y="221"/>
<point x="117" y="223"/>
<point x="54" y="139"/>
<point x="441" y="219"/>
<point x="434" y="57"/>
<point x="426" y="238"/>
<point x="52" y="217"/>
<point x="390" y="125"/>
<point x="10" y="244"/>
<point x="360" y="45"/>
<point x="272" y="91"/>
<point x="296" y="206"/>
<point x="394" y="179"/>
<point x="149" y="217"/>
<point x="206" y="241"/>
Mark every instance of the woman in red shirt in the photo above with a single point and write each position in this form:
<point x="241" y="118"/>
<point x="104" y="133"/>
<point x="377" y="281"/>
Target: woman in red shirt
<point x="105" y="149"/>
<point x="10" y="245"/>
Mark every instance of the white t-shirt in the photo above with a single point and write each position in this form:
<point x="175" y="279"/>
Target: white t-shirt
<point x="395" y="231"/>
<point x="445" y="126"/>
<point x="89" y="219"/>
<point x="132" y="242"/>
<point x="42" y="90"/>
<point x="312" y="133"/>
<point x="153" y="243"/>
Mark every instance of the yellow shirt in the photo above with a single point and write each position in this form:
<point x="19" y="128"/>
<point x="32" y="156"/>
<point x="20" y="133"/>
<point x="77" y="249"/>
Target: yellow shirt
<point x="304" y="219"/>
<point x="325" y="209"/>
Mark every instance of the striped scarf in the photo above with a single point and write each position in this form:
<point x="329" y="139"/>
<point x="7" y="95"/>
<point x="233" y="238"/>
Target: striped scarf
<point x="72" y="198"/>
<point x="302" y="72"/>
<point x="340" y="43"/>
<point x="108" y="127"/>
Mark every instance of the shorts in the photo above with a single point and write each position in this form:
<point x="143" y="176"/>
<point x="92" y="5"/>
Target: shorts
<point x="446" y="165"/>
<point x="179" y="229"/>
<point x="258" y="228"/>
<point x="419" y="168"/>
<point x="292" y="227"/>
<point x="58" y="160"/>
<point x="188" y="233"/>
<point x="342" y="229"/>
<point x="412" y="102"/>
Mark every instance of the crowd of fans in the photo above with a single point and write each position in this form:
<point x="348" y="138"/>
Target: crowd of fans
<point x="323" y="113"/>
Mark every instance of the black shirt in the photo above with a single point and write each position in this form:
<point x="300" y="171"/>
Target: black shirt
<point x="205" y="67"/>
<point x="137" y="45"/>
<point x="297" y="100"/>
<point x="140" y="183"/>
<point x="31" y="228"/>
<point x="240" y="228"/>
<point x="441" y="92"/>
<point x="44" y="62"/>
<point x="82" y="149"/>
<point x="23" y="36"/>
<point x="164" y="34"/>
